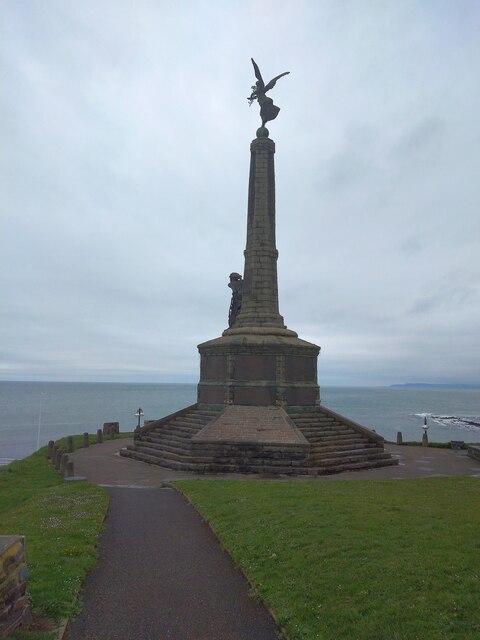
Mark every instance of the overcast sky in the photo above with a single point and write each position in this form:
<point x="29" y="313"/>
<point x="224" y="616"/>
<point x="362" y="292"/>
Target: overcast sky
<point x="125" y="151"/>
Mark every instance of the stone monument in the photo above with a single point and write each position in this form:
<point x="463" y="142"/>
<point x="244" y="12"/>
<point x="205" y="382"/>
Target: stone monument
<point x="258" y="406"/>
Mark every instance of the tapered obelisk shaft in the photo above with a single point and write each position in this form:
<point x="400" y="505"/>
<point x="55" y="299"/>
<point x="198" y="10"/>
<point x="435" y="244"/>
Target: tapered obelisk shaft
<point x="260" y="287"/>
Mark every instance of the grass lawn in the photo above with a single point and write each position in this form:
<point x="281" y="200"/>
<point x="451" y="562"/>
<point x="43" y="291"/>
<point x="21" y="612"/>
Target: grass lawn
<point x="61" y="522"/>
<point x="355" y="560"/>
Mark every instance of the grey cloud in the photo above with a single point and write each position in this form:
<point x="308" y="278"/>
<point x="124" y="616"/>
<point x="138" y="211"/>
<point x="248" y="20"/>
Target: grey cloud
<point x="411" y="246"/>
<point x="124" y="185"/>
<point x="455" y="290"/>
<point x="424" y="137"/>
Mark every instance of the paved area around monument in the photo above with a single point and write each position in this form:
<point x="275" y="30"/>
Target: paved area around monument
<point x="103" y="465"/>
<point x="161" y="572"/>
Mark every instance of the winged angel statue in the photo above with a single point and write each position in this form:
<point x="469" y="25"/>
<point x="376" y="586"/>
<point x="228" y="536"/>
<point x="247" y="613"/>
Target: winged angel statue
<point x="268" y="111"/>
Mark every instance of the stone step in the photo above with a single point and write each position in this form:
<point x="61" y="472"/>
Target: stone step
<point x="176" y="430"/>
<point x="346" y="446"/>
<point x="252" y="468"/>
<point x="319" y="421"/>
<point x="161" y="454"/>
<point x="289" y="470"/>
<point x="337" y="456"/>
<point x="326" y="460"/>
<point x="330" y="431"/>
<point x="179" y="429"/>
<point x="333" y="445"/>
<point x="226" y="458"/>
<point x="319" y="424"/>
<point x="164" y="454"/>
<point x="204" y="414"/>
<point x="308" y="417"/>
<point x="319" y="464"/>
<point x="191" y="421"/>
<point x="265" y="462"/>
<point x="331" y="441"/>
<point x="263" y="469"/>
<point x="158" y="460"/>
<point x="353" y="466"/>
<point x="132" y="452"/>
<point x="188" y="421"/>
<point x="165" y="446"/>
<point x="327" y="437"/>
<point x="170" y="436"/>
<point x="205" y="457"/>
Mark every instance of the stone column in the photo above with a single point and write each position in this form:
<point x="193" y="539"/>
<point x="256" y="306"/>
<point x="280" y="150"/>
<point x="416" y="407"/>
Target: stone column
<point x="258" y="361"/>
<point x="260" y="285"/>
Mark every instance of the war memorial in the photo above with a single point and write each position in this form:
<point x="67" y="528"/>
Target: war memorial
<point x="258" y="406"/>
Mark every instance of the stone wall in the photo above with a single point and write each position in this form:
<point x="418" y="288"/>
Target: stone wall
<point x="108" y="427"/>
<point x="14" y="610"/>
<point x="474" y="451"/>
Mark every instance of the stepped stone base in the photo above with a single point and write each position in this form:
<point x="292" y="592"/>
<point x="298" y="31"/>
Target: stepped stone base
<point x="251" y="439"/>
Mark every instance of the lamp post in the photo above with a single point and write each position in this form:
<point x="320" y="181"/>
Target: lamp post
<point x="425" y="436"/>
<point x="139" y="413"/>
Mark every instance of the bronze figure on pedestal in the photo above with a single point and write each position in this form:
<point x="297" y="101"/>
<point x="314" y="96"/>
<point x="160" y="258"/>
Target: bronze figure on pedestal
<point x="268" y="111"/>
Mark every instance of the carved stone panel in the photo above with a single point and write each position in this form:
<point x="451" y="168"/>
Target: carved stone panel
<point x="254" y="395"/>
<point x="255" y="367"/>
<point x="214" y="367"/>
<point x="300" y="368"/>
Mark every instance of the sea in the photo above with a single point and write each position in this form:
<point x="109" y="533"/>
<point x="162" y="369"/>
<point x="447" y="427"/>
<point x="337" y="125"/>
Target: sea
<point x="32" y="413"/>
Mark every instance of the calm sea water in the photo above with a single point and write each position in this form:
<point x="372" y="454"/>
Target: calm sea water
<point x="33" y="413"/>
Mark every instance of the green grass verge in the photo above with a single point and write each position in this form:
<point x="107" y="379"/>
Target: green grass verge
<point x="363" y="560"/>
<point x="61" y="522"/>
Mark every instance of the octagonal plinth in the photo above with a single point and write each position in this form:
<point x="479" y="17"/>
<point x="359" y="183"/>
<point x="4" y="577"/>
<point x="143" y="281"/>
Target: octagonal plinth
<point x="258" y="367"/>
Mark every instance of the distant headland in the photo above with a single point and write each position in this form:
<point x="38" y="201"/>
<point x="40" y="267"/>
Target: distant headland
<point x="426" y="385"/>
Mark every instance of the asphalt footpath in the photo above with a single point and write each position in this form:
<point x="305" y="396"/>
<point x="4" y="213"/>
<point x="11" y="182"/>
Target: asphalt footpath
<point x="162" y="574"/>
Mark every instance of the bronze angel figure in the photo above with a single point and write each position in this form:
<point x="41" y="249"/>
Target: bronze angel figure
<point x="268" y="111"/>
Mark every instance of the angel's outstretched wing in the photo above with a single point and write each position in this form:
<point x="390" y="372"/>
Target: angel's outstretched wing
<point x="258" y="75"/>
<point x="272" y="83"/>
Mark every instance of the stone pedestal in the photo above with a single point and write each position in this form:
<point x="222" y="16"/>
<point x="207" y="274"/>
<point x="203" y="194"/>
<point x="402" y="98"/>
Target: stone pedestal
<point x="258" y="369"/>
